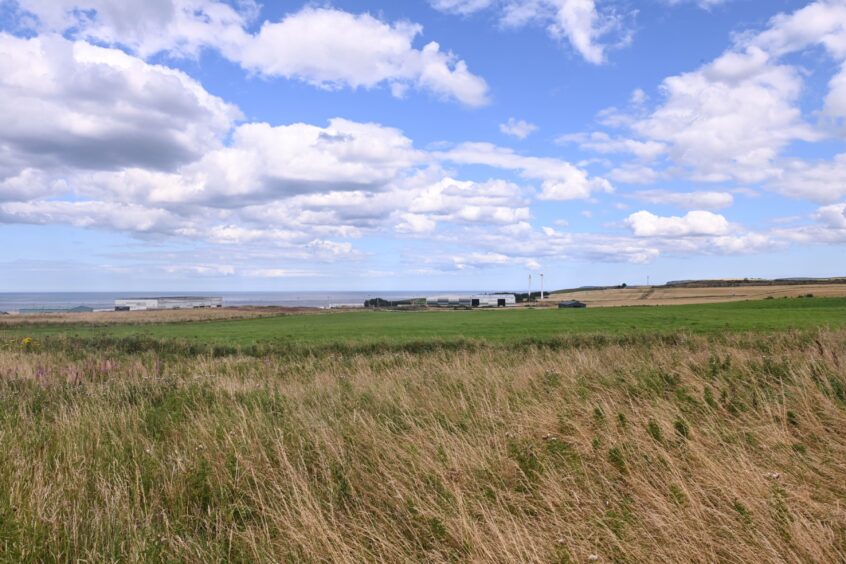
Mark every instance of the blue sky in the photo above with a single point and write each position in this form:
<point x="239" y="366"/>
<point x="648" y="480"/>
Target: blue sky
<point x="436" y="144"/>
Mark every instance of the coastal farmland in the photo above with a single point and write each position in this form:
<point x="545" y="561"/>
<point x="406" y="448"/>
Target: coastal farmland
<point x="511" y="325"/>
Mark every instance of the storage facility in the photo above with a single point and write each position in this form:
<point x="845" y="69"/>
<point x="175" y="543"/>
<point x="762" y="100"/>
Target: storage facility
<point x="479" y="300"/>
<point x="171" y="302"/>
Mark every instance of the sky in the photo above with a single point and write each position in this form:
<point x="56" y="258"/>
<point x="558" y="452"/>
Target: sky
<point x="418" y="145"/>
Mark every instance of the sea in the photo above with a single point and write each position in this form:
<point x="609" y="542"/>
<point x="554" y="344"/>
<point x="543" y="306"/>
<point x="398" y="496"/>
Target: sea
<point x="15" y="301"/>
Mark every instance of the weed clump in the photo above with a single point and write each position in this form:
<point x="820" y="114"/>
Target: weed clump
<point x="682" y="429"/>
<point x="654" y="430"/>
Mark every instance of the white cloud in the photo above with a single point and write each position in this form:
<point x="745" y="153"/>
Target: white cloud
<point x="833" y="216"/>
<point x="821" y="181"/>
<point x="601" y="142"/>
<point x="487" y="260"/>
<point x="638" y="97"/>
<point x="265" y="163"/>
<point x="204" y="270"/>
<point x="463" y="7"/>
<point x="731" y="118"/>
<point x="734" y="118"/>
<point x="279" y="273"/>
<point x="90" y="214"/>
<point x="331" y="48"/>
<point x="632" y="173"/>
<point x="91" y="107"/>
<point x="646" y="224"/>
<point x="578" y="22"/>
<point x="325" y="47"/>
<point x="704" y="4"/>
<point x="495" y="201"/>
<point x="147" y="27"/>
<point x="29" y="184"/>
<point x="518" y="128"/>
<point x="560" y="180"/>
<point x="829" y="227"/>
<point x="687" y="200"/>
<point x="416" y="223"/>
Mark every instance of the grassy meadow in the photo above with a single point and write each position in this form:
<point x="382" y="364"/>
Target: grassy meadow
<point x="613" y="439"/>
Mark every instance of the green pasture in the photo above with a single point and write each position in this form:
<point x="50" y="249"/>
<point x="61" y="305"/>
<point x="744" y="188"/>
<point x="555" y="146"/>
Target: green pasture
<point x="492" y="325"/>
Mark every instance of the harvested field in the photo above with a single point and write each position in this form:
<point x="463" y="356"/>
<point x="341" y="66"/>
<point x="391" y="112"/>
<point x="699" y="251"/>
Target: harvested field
<point x="147" y="317"/>
<point x="658" y="295"/>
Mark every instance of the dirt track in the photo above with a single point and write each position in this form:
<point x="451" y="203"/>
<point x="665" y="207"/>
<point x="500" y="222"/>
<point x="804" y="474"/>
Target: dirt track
<point x="651" y="295"/>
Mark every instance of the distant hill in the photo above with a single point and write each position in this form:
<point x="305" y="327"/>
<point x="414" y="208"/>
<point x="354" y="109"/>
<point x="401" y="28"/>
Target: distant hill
<point x="737" y="282"/>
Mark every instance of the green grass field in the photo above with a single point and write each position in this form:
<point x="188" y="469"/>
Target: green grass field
<point x="491" y="325"/>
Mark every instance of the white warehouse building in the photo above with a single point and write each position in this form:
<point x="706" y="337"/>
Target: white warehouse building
<point x="174" y="302"/>
<point x="478" y="300"/>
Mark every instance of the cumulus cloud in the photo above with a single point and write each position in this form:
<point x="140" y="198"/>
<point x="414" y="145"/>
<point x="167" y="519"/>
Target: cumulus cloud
<point x="331" y="48"/>
<point x="735" y="118"/>
<point x="90" y="107"/>
<point x="265" y="163"/>
<point x="560" y="180"/>
<point x="646" y="224"/>
<point x="731" y="118"/>
<point x="518" y="128"/>
<point x="30" y="184"/>
<point x="325" y="47"/>
<point x="494" y="201"/>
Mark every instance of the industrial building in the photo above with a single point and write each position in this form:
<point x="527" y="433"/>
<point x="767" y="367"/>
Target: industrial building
<point x="173" y="302"/>
<point x="479" y="300"/>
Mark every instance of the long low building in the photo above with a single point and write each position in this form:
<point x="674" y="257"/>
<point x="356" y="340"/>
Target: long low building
<point x="167" y="302"/>
<point x="478" y="300"/>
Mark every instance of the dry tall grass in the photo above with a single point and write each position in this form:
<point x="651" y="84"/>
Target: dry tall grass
<point x="729" y="449"/>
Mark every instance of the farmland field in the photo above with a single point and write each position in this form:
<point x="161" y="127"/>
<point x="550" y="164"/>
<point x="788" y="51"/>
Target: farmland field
<point x="689" y="433"/>
<point x="670" y="295"/>
<point x="494" y="325"/>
